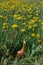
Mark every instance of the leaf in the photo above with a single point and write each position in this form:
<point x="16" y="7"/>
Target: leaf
<point x="36" y="63"/>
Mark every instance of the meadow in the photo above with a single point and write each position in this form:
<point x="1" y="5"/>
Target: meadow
<point x="21" y="19"/>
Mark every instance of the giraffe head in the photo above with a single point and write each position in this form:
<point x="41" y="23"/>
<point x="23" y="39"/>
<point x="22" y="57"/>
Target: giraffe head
<point x="24" y="41"/>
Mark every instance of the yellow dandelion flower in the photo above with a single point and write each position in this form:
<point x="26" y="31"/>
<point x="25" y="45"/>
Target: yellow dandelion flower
<point x="33" y="34"/>
<point x="14" y="25"/>
<point x="5" y="10"/>
<point x="15" y="15"/>
<point x="30" y="16"/>
<point x="41" y="23"/>
<point x="36" y="14"/>
<point x="30" y="12"/>
<point x="35" y="18"/>
<point x="42" y="27"/>
<point x="38" y="35"/>
<point x="20" y="17"/>
<point x="37" y="8"/>
<point x="39" y="41"/>
<point x="42" y="9"/>
<point x="23" y="9"/>
<point x="22" y="30"/>
<point x="19" y="10"/>
<point x="35" y="25"/>
<point x="12" y="7"/>
<point x="4" y="23"/>
<point x="29" y="26"/>
<point x="24" y="18"/>
<point x="41" y="3"/>
<point x="37" y="11"/>
<point x="23" y="23"/>
<point x="32" y="21"/>
<point x="5" y="26"/>
<point x="29" y="9"/>
<point x="1" y="16"/>
<point x="5" y="17"/>
<point x="5" y="6"/>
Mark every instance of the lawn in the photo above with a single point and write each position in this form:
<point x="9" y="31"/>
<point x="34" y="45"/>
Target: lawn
<point x="19" y="20"/>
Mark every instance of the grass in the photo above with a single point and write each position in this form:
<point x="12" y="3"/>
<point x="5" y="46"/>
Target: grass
<point x="21" y="20"/>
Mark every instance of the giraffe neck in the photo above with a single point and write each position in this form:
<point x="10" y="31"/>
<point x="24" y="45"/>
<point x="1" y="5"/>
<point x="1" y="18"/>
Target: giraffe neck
<point x="23" y="47"/>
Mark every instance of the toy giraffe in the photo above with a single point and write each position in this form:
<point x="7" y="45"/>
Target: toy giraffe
<point x="21" y="52"/>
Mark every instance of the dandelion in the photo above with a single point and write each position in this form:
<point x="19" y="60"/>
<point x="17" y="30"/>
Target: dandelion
<point x="22" y="30"/>
<point x="35" y="18"/>
<point x="42" y="9"/>
<point x="29" y="27"/>
<point x="30" y="16"/>
<point x="29" y="9"/>
<point x="23" y="9"/>
<point x="14" y="25"/>
<point x="38" y="35"/>
<point x="20" y="17"/>
<point x="4" y="23"/>
<point x="30" y="12"/>
<point x="24" y="18"/>
<point x="37" y="11"/>
<point x="1" y="16"/>
<point x="39" y="41"/>
<point x="41" y="3"/>
<point x="35" y="25"/>
<point x="32" y="21"/>
<point x="5" y="17"/>
<point x="15" y="15"/>
<point x="42" y="27"/>
<point x="4" y="9"/>
<point x="12" y="7"/>
<point x="23" y="23"/>
<point x="36" y="14"/>
<point x="33" y="35"/>
<point x="41" y="23"/>
<point x="37" y="8"/>
<point x="5" y="26"/>
<point x="19" y="10"/>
